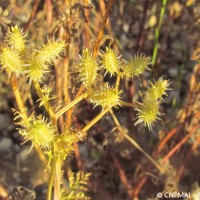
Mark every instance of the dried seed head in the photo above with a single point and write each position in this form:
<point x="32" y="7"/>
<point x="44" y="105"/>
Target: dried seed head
<point x="11" y="61"/>
<point x="36" y="69"/>
<point x="105" y="96"/>
<point x="16" y="39"/>
<point x="157" y="89"/>
<point x="50" y="51"/>
<point x="87" y="68"/>
<point x="136" y="66"/>
<point x="110" y="61"/>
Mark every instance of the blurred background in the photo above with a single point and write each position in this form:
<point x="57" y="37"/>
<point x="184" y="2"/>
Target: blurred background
<point x="166" y="31"/>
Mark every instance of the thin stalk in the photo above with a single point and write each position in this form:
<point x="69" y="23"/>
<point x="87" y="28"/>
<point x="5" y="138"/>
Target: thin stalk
<point x="95" y="120"/>
<point x="157" y="32"/>
<point x="33" y="13"/>
<point x="18" y="98"/>
<point x="51" y="178"/>
<point x="127" y="104"/>
<point x="134" y="143"/>
<point x="57" y="179"/>
<point x="70" y="105"/>
<point x="117" y="81"/>
<point x="137" y="146"/>
<point x="47" y="104"/>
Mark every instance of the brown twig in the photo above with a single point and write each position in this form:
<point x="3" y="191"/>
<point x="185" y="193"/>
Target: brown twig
<point x="178" y="145"/>
<point x="27" y="25"/>
<point x="139" y="186"/>
<point x="86" y="33"/>
<point x="78" y="157"/>
<point x="167" y="138"/>
<point x="141" y="29"/>
<point x="49" y="12"/>
<point x="186" y="159"/>
<point x="101" y="30"/>
<point x="122" y="176"/>
<point x="100" y="33"/>
<point x="14" y="84"/>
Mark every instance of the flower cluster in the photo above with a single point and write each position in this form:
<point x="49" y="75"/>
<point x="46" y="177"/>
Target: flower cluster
<point x="16" y="59"/>
<point x="148" y="110"/>
<point x="12" y="53"/>
<point x="107" y="96"/>
<point x="38" y="61"/>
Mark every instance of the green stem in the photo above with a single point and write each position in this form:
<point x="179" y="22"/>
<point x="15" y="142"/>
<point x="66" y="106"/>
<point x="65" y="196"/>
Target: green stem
<point x="95" y="120"/>
<point x="157" y="32"/>
<point x="137" y="146"/>
<point x="57" y="179"/>
<point x="71" y="104"/>
<point x="127" y="104"/>
<point x="51" y="178"/>
<point x="117" y="80"/>
<point x="47" y="104"/>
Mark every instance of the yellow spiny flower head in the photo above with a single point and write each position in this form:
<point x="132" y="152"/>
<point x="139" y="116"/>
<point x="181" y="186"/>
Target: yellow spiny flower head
<point x="11" y="61"/>
<point x="37" y="130"/>
<point x="136" y="66"/>
<point x="16" y="39"/>
<point x="87" y="68"/>
<point x="110" y="61"/>
<point x="36" y="68"/>
<point x="50" y="51"/>
<point x="105" y="96"/>
<point x="148" y="112"/>
<point x="157" y="89"/>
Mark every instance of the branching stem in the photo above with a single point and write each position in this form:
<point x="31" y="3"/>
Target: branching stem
<point x="95" y="120"/>
<point x="71" y="104"/>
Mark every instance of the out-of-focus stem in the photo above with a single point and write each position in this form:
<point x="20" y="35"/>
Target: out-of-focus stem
<point x="49" y="12"/>
<point x="15" y="88"/>
<point x="101" y="30"/>
<point x="127" y="104"/>
<point x="157" y="32"/>
<point x="27" y="25"/>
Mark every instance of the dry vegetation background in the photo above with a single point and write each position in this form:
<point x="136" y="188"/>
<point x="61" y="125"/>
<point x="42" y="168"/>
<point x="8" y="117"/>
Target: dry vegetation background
<point x="119" y="171"/>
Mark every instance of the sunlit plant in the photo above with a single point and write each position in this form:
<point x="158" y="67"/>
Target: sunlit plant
<point x="16" y="59"/>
